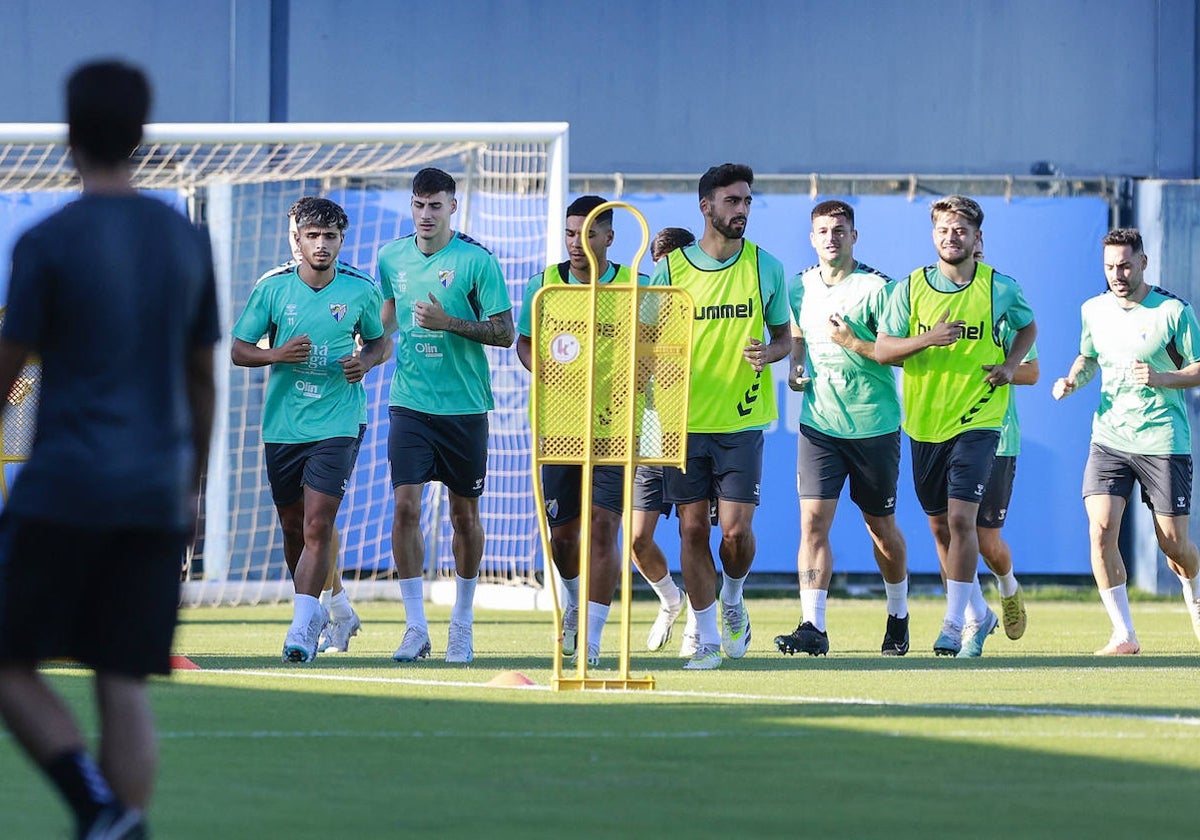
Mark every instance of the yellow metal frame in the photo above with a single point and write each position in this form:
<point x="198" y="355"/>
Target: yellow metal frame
<point x="27" y="383"/>
<point x="581" y="679"/>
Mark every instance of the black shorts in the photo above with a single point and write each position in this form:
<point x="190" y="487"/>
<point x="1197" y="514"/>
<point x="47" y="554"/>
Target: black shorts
<point x="323" y="465"/>
<point x="954" y="469"/>
<point x="824" y="462"/>
<point x="998" y="493"/>
<point x="450" y="448"/>
<point x="106" y="598"/>
<point x="562" y="485"/>
<point x="720" y="465"/>
<point x="648" y="491"/>
<point x="1166" y="480"/>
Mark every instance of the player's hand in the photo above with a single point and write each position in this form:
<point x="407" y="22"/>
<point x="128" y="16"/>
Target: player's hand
<point x="945" y="332"/>
<point x="1142" y="374"/>
<point x="353" y="368"/>
<point x="431" y="316"/>
<point x="797" y="381"/>
<point x="839" y="333"/>
<point x="1062" y="387"/>
<point x="998" y="375"/>
<point x="294" y="351"/>
<point x="755" y="352"/>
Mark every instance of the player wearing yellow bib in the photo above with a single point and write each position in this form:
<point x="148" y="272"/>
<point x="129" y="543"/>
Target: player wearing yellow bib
<point x="563" y="483"/>
<point x="445" y="297"/>
<point x="941" y="323"/>
<point x="1146" y="344"/>
<point x="315" y="399"/>
<point x="849" y="426"/>
<point x="740" y="294"/>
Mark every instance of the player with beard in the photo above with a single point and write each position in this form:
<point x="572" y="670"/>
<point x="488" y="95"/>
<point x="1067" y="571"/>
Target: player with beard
<point x="740" y="295"/>
<point x="1146" y="344"/>
<point x="941" y="323"/>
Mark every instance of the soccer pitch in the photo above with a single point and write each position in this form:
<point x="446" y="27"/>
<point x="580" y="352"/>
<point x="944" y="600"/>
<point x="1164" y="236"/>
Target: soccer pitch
<point x="1036" y="739"/>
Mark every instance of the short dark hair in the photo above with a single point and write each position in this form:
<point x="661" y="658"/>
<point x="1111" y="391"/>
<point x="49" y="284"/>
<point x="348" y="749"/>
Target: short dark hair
<point x="318" y="212"/>
<point x="960" y="205"/>
<point x="723" y="176"/>
<point x="107" y="106"/>
<point x="1125" y="236"/>
<point x="586" y="204"/>
<point x="834" y="207"/>
<point x="431" y="181"/>
<point x="669" y="239"/>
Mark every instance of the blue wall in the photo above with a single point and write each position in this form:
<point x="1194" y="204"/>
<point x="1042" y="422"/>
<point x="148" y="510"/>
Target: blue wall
<point x="1093" y="86"/>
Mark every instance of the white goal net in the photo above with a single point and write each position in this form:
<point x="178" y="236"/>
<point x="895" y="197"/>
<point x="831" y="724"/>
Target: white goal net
<point x="239" y="181"/>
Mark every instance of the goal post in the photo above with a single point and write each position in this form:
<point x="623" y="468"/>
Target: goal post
<point x="238" y="180"/>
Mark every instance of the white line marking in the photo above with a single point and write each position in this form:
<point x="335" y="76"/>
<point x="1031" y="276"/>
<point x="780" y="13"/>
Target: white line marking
<point x="987" y="708"/>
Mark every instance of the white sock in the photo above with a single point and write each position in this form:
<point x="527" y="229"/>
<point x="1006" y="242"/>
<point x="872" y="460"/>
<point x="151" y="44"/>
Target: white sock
<point x="412" y="592"/>
<point x="1007" y="584"/>
<point x="897" y="598"/>
<point x="327" y="599"/>
<point x="464" y="600"/>
<point x="667" y="590"/>
<point x="1116" y="602"/>
<point x="977" y="607"/>
<point x="958" y="593"/>
<point x="1191" y="588"/>
<point x="706" y="625"/>
<point x="339" y="607"/>
<point x="689" y="622"/>
<point x="571" y="585"/>
<point x="812" y="604"/>
<point x="597" y="618"/>
<point x="731" y="590"/>
<point x="304" y="607"/>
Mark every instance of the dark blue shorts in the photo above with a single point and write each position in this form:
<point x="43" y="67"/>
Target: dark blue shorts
<point x="725" y="465"/>
<point x="954" y="469"/>
<point x="993" y="510"/>
<point x="648" y="491"/>
<point x="1166" y="480"/>
<point x="562" y="485"/>
<point x="824" y="462"/>
<point x="323" y="465"/>
<point x="450" y="448"/>
<point x="104" y="597"/>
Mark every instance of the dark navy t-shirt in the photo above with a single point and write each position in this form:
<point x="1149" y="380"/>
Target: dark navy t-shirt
<point x="113" y="293"/>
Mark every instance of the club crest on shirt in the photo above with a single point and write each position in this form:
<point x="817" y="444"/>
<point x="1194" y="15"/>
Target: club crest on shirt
<point x="446" y="276"/>
<point x="338" y="311"/>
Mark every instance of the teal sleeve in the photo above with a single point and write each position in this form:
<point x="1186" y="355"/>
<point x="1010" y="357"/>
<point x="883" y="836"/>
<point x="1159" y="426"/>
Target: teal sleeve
<point x="1187" y="335"/>
<point x="371" y="326"/>
<point x="661" y="275"/>
<point x="898" y="311"/>
<point x="255" y="321"/>
<point x="1087" y="347"/>
<point x="1010" y="303"/>
<point x="796" y="296"/>
<point x="493" y="291"/>
<point x="385" y="278"/>
<point x="525" y="319"/>
<point x="776" y="310"/>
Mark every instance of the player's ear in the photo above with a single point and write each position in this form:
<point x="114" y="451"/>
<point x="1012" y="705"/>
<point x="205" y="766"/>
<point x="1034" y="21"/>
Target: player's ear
<point x="453" y="206"/>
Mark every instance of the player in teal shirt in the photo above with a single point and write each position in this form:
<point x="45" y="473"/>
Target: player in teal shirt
<point x="1146" y="344"/>
<point x="445" y="298"/>
<point x="311" y="313"/>
<point x="849" y="426"/>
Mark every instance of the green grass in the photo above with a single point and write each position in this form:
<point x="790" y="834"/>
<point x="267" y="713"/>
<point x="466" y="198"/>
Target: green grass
<point x="1037" y="739"/>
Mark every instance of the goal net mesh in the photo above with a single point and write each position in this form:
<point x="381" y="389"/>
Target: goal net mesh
<point x="240" y="185"/>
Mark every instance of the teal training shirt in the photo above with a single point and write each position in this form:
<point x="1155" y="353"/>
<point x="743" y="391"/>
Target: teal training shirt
<point x="437" y="371"/>
<point x="312" y="401"/>
<point x="850" y="396"/>
<point x="1010" y="432"/>
<point x="1160" y="330"/>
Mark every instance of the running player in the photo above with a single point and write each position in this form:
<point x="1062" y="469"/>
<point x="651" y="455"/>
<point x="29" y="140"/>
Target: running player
<point x="446" y="295"/>
<point x="315" y="405"/>
<point x="849" y="426"/>
<point x="740" y="294"/>
<point x="563" y="484"/>
<point x="1146" y="344"/>
<point x="115" y="293"/>
<point x="941" y="323"/>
